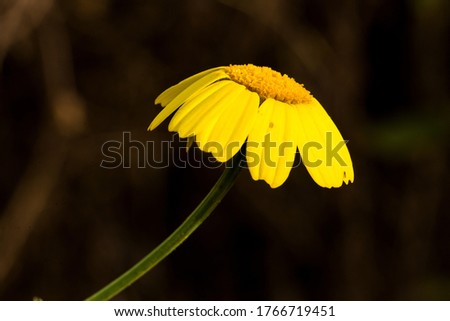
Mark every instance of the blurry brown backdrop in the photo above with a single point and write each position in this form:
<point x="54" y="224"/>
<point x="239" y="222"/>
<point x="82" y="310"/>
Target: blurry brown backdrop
<point x="77" y="73"/>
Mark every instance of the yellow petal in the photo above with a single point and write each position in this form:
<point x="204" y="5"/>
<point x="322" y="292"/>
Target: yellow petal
<point x="191" y="89"/>
<point x="206" y="96"/>
<point x="323" y="150"/>
<point x="271" y="144"/>
<point x="287" y="145"/>
<point x="205" y="113"/>
<point x="233" y="125"/>
<point x="256" y="145"/>
<point x="170" y="93"/>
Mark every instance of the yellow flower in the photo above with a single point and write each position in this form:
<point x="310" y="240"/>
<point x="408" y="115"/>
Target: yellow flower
<point x="225" y="107"/>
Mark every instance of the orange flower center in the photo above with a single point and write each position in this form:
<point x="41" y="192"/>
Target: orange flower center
<point x="268" y="83"/>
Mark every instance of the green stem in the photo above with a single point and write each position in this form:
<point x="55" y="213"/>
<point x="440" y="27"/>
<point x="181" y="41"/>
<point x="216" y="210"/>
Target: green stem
<point x="193" y="221"/>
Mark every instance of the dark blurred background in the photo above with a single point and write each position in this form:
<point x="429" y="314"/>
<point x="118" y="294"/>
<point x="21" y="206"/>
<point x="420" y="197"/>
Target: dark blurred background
<point x="78" y="73"/>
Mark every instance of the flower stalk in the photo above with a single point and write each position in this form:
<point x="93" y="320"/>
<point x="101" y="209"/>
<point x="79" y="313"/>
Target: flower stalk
<point x="192" y="222"/>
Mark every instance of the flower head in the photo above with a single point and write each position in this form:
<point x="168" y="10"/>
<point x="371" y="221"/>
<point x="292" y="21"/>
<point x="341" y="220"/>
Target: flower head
<point x="225" y="107"/>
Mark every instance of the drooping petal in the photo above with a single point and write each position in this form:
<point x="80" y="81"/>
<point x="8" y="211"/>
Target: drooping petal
<point x="324" y="152"/>
<point x="205" y="97"/>
<point x="170" y="93"/>
<point x="271" y="144"/>
<point x="233" y="126"/>
<point x="185" y="92"/>
<point x="255" y="152"/>
<point x="205" y="127"/>
<point x="203" y="114"/>
<point x="287" y="145"/>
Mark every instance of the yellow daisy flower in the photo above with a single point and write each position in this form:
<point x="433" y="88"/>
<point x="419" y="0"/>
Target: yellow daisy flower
<point x="225" y="107"/>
